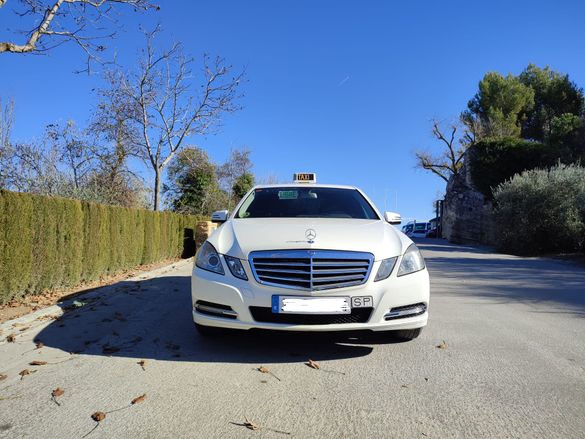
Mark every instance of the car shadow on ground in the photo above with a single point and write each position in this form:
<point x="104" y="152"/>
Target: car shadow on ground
<point x="151" y="319"/>
<point x="442" y="245"/>
<point x="558" y="285"/>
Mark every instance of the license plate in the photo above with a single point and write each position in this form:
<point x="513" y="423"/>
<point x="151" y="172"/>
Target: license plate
<point x="319" y="305"/>
<point x="362" y="302"/>
<point x="310" y="305"/>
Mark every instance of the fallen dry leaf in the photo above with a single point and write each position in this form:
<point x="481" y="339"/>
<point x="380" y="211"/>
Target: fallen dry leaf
<point x="24" y="372"/>
<point x="37" y="363"/>
<point x="11" y="338"/>
<point x="265" y="370"/>
<point x="443" y="345"/>
<point x="251" y="425"/>
<point x="313" y="364"/>
<point x="3" y="377"/>
<point x="55" y="393"/>
<point x="138" y="399"/>
<point x="24" y="329"/>
<point x="142" y="363"/>
<point x="98" y="416"/>
<point x="39" y="344"/>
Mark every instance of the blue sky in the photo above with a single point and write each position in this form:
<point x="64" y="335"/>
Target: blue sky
<point x="342" y="88"/>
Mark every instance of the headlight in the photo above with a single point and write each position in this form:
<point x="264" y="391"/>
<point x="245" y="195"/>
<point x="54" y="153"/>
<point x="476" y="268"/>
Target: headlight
<point x="412" y="261"/>
<point x="208" y="259"/>
<point x="235" y="266"/>
<point x="385" y="269"/>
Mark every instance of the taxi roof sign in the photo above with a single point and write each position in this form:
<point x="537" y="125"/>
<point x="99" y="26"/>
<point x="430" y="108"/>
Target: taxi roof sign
<point x="305" y="177"/>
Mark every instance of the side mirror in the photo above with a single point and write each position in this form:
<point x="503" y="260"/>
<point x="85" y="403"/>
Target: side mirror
<point x="392" y="217"/>
<point x="219" y="216"/>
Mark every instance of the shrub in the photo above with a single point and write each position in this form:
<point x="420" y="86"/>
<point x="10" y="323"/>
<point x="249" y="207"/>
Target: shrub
<point x="542" y="211"/>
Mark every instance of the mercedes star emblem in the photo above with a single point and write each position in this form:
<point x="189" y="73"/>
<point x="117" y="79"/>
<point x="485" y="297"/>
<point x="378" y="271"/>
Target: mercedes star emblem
<point x="310" y="234"/>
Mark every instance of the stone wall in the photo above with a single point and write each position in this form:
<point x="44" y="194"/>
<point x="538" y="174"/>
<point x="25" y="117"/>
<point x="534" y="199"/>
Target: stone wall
<point x="467" y="215"/>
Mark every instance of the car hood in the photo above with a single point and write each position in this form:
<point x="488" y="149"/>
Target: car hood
<point x="239" y="237"/>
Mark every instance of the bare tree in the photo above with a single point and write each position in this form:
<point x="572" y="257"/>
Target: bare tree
<point x="85" y="22"/>
<point x="269" y="179"/>
<point x="31" y="168"/>
<point x="167" y="110"/>
<point x="74" y="149"/>
<point x="238" y="164"/>
<point x="450" y="161"/>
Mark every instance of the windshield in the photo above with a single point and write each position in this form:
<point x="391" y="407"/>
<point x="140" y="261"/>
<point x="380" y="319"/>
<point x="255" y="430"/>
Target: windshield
<point x="306" y="202"/>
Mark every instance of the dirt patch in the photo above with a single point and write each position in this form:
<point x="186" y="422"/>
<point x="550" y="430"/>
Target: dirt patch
<point x="20" y="306"/>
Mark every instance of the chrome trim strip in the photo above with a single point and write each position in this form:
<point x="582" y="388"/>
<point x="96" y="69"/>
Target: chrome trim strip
<point x="406" y="311"/>
<point x="318" y="259"/>
<point x="214" y="310"/>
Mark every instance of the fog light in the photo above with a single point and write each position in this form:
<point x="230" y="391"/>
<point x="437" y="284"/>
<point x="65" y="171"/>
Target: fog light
<point x="215" y="309"/>
<point x="406" y="311"/>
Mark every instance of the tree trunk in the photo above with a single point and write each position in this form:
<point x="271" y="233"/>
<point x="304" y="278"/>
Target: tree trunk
<point x="156" y="188"/>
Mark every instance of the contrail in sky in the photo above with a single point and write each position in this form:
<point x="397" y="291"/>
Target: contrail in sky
<point x="343" y="81"/>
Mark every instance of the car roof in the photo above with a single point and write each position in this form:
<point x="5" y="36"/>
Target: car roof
<point x="301" y="185"/>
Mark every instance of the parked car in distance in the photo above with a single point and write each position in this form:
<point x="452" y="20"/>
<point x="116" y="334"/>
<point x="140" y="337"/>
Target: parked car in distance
<point x="415" y="229"/>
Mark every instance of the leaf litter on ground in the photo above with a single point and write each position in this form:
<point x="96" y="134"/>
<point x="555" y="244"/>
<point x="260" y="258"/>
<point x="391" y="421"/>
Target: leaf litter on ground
<point x="251" y="425"/>
<point x="142" y="364"/>
<point x="55" y="394"/>
<point x="263" y="369"/>
<point x="138" y="399"/>
<point x="100" y="416"/>
<point x="314" y="365"/>
<point x="442" y="345"/>
<point x="25" y="372"/>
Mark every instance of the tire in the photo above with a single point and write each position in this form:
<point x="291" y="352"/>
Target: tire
<point x="208" y="331"/>
<point x="407" y="334"/>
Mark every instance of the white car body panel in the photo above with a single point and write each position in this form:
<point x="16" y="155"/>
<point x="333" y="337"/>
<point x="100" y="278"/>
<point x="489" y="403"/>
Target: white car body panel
<point x="239" y="236"/>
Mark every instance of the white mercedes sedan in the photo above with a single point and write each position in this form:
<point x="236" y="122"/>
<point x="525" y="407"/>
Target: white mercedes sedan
<point x="309" y="257"/>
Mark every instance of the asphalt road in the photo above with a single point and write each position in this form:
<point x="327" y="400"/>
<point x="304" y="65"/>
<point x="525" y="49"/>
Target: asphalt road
<point x="512" y="364"/>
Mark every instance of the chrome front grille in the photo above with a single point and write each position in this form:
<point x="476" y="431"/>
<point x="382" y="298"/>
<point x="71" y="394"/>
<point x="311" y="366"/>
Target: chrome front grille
<point x="311" y="269"/>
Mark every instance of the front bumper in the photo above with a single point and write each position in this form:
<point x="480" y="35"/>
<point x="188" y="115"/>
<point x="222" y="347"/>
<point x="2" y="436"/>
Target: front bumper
<point x="238" y="296"/>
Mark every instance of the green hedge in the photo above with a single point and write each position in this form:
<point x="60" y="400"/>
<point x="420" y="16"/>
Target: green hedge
<point x="48" y="243"/>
